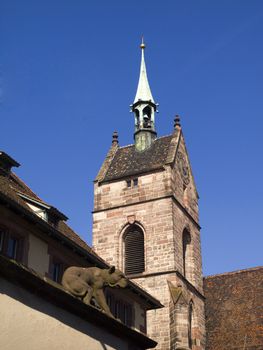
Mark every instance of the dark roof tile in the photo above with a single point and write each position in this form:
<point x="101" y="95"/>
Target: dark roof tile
<point x="129" y="162"/>
<point x="234" y="310"/>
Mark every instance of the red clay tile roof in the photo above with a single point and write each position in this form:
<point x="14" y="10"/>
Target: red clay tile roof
<point x="234" y="310"/>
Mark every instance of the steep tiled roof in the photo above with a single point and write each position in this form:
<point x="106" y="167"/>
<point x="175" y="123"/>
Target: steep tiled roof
<point x="234" y="310"/>
<point x="127" y="161"/>
<point x="11" y="186"/>
<point x="18" y="185"/>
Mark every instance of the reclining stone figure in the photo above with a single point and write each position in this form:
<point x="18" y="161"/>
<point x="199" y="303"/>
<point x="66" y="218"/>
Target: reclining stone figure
<point x="88" y="283"/>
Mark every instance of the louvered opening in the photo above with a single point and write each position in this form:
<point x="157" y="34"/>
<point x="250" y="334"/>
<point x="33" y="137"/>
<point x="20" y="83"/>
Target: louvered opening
<point x="134" y="251"/>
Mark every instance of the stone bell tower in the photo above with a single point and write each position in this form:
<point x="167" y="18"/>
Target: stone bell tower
<point x="145" y="221"/>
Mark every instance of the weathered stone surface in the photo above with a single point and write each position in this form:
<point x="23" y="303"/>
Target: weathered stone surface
<point x="163" y="204"/>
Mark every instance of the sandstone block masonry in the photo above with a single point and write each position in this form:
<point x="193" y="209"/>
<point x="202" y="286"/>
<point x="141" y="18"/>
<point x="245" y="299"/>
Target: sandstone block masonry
<point x="164" y="204"/>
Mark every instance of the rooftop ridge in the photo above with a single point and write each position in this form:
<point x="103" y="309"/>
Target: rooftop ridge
<point x="161" y="137"/>
<point x="256" y="268"/>
<point x="30" y="197"/>
<point x="81" y="239"/>
<point x="158" y="138"/>
<point x="126" y="146"/>
<point x="22" y="183"/>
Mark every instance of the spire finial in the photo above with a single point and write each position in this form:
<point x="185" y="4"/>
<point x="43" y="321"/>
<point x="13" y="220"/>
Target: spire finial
<point x="142" y="46"/>
<point x="115" y="138"/>
<point x="143" y="90"/>
<point x="177" y="123"/>
<point x="144" y="108"/>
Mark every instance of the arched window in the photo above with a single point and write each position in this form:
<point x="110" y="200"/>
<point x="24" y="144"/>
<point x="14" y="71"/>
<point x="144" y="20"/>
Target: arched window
<point x="186" y="252"/>
<point x="133" y="250"/>
<point x="147" y="117"/>
<point x="137" y="119"/>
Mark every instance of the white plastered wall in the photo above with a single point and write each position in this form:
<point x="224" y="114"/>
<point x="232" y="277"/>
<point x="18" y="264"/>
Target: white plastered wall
<point x="30" y="323"/>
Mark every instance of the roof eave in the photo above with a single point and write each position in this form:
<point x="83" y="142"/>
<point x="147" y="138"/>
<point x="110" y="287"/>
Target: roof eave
<point x="10" y="160"/>
<point x="52" y="231"/>
<point x="92" y="258"/>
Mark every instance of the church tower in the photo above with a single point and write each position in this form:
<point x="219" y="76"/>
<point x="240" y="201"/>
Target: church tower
<point x="145" y="221"/>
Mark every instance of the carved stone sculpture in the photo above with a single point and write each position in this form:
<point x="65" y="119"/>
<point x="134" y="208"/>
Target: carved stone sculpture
<point x="87" y="283"/>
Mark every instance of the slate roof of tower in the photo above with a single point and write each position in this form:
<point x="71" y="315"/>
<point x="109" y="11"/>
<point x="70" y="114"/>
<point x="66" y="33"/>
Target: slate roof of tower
<point x="127" y="161"/>
<point x="234" y="310"/>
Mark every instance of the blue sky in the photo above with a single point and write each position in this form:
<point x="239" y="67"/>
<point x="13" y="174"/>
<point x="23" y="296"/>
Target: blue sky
<point x="69" y="71"/>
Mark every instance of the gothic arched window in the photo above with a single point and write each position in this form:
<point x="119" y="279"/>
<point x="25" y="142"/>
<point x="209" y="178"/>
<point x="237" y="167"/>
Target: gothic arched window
<point x="133" y="240"/>
<point x="186" y="253"/>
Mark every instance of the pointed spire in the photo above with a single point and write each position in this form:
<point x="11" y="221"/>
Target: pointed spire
<point x="143" y="90"/>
